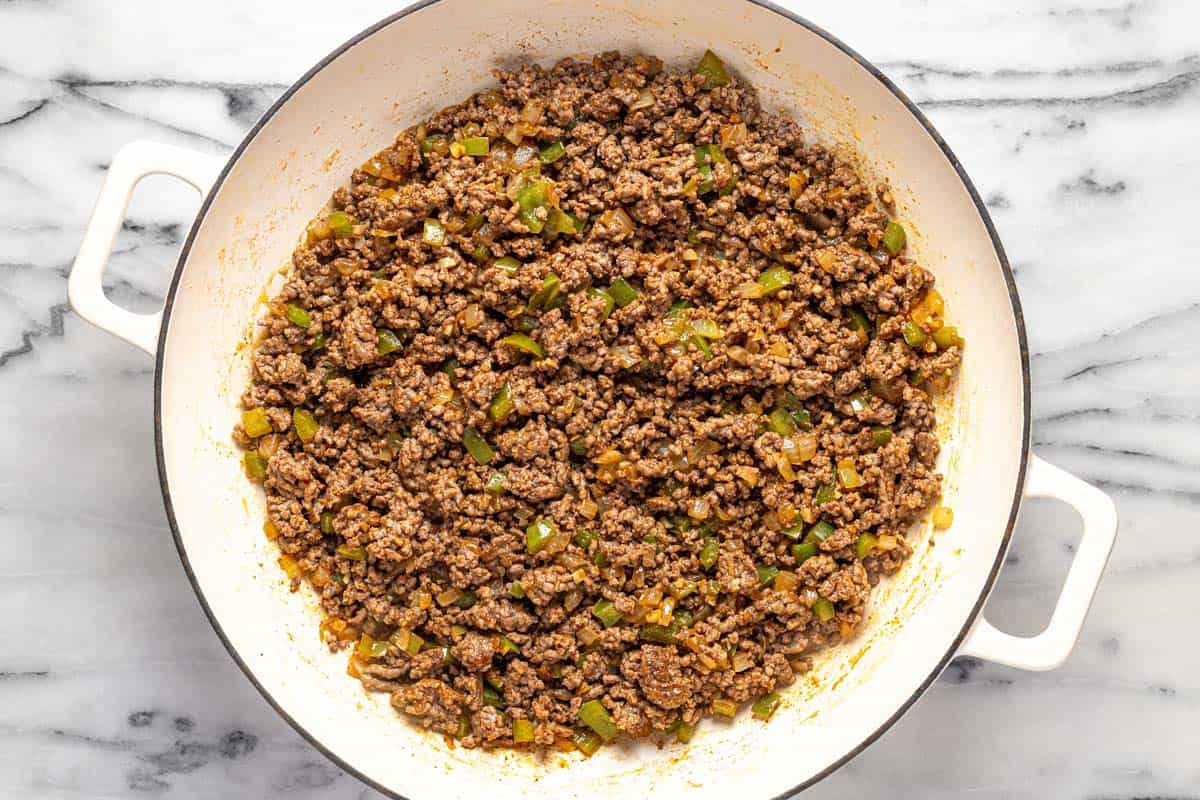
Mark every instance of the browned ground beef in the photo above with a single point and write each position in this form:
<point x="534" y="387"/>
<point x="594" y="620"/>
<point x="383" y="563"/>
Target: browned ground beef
<point x="674" y="491"/>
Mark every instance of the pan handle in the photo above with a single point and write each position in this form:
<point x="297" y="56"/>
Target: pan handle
<point x="1050" y="648"/>
<point x="132" y="162"/>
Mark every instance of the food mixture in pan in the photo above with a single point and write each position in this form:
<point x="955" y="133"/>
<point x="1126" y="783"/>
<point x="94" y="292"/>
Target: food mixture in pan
<point x="596" y="405"/>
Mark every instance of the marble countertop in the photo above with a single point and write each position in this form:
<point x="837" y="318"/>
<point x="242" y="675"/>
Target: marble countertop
<point x="1078" y="121"/>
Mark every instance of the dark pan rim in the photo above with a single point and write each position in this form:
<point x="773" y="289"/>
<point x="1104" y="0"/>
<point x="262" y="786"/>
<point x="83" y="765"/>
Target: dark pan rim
<point x="1018" y="318"/>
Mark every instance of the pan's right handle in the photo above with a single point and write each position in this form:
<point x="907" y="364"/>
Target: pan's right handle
<point x="1050" y="648"/>
<point x="133" y="162"/>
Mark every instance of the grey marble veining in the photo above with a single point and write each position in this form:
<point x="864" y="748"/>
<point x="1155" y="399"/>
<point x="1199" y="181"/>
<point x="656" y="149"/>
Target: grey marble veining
<point x="1078" y="121"/>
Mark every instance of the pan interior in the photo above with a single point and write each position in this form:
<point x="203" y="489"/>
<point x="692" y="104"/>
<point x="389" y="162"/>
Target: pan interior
<point x="351" y="107"/>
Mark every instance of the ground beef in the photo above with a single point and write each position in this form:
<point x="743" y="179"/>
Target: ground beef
<point x="433" y="701"/>
<point x="662" y="678"/>
<point x="681" y="484"/>
<point x="474" y="652"/>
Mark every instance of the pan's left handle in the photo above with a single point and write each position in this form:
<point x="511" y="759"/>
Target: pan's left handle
<point x="133" y="162"/>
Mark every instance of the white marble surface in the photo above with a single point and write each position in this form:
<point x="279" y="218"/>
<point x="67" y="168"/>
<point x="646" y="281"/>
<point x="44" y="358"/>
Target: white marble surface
<point x="1078" y="120"/>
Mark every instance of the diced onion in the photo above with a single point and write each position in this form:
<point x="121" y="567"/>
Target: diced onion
<point x="785" y="468"/>
<point x="702" y="448"/>
<point x="570" y="560"/>
<point x="644" y="100"/>
<point x="572" y="599"/>
<point x="448" y="596"/>
<point x="533" y="110"/>
<point x="799" y="447"/>
<point x="616" y="217"/>
<point x="268" y="444"/>
<point x="733" y="135"/>
<point x="651" y="597"/>
<point x="472" y="316"/>
<point x="827" y="259"/>
<point x="609" y="457"/>
<point x="785" y="581"/>
<point x="514" y="186"/>
<point x="523" y="156"/>
<point x="739" y="355"/>
<point x="751" y="290"/>
<point x="557" y="543"/>
<point x="501" y="154"/>
<point x="751" y="404"/>
<point x="667" y="610"/>
<point x="725" y="708"/>
<point x="625" y="356"/>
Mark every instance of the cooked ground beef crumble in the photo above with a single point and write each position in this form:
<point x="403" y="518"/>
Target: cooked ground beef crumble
<point x="597" y="404"/>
